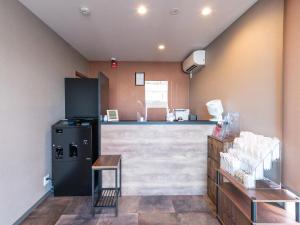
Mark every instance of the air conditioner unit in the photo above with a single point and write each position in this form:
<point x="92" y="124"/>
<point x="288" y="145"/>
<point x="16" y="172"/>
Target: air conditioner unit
<point x="194" y="62"/>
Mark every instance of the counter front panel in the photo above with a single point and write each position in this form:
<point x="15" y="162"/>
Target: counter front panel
<point x="159" y="159"/>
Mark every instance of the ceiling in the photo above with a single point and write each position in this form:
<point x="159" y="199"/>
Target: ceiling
<point x="114" y="29"/>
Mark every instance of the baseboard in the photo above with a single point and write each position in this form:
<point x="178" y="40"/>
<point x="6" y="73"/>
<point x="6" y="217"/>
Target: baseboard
<point x="26" y="214"/>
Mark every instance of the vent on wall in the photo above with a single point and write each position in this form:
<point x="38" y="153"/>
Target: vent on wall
<point x="191" y="68"/>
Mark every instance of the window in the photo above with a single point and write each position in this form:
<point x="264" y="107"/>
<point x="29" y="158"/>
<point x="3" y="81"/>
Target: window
<point x="156" y="94"/>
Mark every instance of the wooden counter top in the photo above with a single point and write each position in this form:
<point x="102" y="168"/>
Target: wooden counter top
<point x="133" y="122"/>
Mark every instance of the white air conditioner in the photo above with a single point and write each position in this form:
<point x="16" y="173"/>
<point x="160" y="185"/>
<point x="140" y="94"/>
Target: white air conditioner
<point x="194" y="62"/>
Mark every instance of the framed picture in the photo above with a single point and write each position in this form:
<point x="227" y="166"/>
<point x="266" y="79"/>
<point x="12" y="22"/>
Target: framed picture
<point x="112" y="115"/>
<point x="139" y="79"/>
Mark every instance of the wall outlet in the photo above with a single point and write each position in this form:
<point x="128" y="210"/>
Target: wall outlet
<point x="46" y="180"/>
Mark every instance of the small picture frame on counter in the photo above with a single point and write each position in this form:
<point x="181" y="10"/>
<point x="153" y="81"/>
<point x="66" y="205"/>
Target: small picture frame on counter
<point x="139" y="79"/>
<point x="112" y="115"/>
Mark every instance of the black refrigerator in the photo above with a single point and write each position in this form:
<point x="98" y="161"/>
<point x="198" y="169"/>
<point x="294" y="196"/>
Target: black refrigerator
<point x="76" y="140"/>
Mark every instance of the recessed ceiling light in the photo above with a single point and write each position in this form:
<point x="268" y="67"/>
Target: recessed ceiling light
<point x="84" y="11"/>
<point x="161" y="47"/>
<point x="142" y="10"/>
<point x="206" y="11"/>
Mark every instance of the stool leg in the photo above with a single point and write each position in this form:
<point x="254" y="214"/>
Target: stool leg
<point x="120" y="178"/>
<point x="93" y="192"/>
<point x="297" y="208"/>
<point x="253" y="211"/>
<point x="99" y="183"/>
<point x="116" y="190"/>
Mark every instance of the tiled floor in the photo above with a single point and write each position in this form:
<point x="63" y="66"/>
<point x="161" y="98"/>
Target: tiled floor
<point x="147" y="210"/>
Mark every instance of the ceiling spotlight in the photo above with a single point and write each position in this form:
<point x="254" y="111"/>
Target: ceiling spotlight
<point x="84" y="11"/>
<point x="161" y="47"/>
<point x="142" y="10"/>
<point x="206" y="11"/>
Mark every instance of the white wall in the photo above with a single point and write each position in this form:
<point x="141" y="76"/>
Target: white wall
<point x="33" y="64"/>
<point x="244" y="69"/>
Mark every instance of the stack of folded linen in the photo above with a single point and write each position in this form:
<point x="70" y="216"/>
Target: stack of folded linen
<point x="229" y="163"/>
<point x="258" y="147"/>
<point x="250" y="155"/>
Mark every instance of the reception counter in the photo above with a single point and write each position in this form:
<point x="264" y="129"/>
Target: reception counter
<point x="159" y="158"/>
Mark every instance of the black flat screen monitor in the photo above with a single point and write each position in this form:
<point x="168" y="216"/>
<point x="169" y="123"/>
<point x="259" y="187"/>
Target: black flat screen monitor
<point x="81" y="98"/>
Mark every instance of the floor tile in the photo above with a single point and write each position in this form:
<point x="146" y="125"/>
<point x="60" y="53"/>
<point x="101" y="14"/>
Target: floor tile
<point x="40" y="220"/>
<point x="149" y="204"/>
<point x="129" y="204"/>
<point x="187" y="203"/>
<point x="158" y="219"/>
<point x="76" y="220"/>
<point x="122" y="219"/>
<point x="48" y="212"/>
<point x="197" y="219"/>
<point x="51" y="206"/>
<point x="212" y="206"/>
<point x="105" y="212"/>
<point x="80" y="205"/>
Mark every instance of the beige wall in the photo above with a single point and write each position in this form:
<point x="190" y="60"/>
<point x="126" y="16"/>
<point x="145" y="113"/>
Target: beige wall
<point x="244" y="70"/>
<point x="291" y="163"/>
<point x="33" y="64"/>
<point x="124" y="94"/>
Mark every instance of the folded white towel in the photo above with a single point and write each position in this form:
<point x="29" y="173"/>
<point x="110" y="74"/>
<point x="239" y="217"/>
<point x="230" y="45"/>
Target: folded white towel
<point x="248" y="180"/>
<point x="229" y="163"/>
<point x="268" y="162"/>
<point x="251" y="154"/>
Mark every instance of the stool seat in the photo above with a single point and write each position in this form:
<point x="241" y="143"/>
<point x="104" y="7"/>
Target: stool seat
<point x="107" y="162"/>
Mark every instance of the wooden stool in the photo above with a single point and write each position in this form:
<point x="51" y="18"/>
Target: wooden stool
<point x="107" y="197"/>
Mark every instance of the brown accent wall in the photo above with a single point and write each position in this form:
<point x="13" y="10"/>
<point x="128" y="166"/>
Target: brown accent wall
<point x="124" y="94"/>
<point x="291" y="163"/>
<point x="244" y="70"/>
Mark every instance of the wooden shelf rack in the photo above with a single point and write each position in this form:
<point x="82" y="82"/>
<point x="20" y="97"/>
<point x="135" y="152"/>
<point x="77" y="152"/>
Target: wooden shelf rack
<point x="239" y="205"/>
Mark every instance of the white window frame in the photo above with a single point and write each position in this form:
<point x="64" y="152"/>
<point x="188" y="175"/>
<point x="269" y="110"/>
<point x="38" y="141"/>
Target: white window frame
<point x="156" y="94"/>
